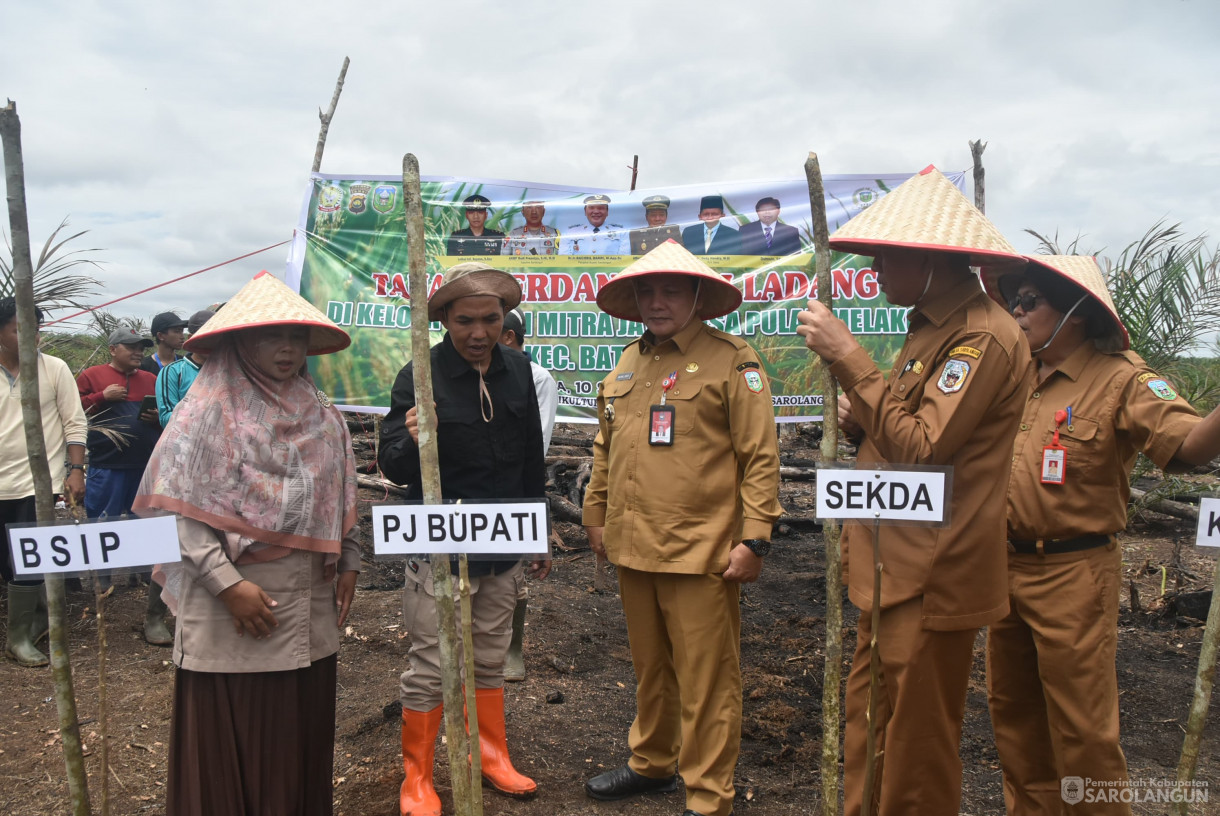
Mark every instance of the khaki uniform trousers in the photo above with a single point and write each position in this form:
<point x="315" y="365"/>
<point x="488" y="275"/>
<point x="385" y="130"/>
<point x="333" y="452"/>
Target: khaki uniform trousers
<point x="921" y="702"/>
<point x="685" y="633"/>
<point x="492" y="600"/>
<point x="1051" y="681"/>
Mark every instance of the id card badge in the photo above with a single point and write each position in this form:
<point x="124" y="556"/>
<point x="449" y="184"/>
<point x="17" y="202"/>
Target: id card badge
<point x="1054" y="464"/>
<point x="661" y="425"/>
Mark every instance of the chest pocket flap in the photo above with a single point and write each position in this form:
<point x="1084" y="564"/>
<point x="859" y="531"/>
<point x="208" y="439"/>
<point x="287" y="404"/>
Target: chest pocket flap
<point x="1081" y="430"/>
<point x="617" y="388"/>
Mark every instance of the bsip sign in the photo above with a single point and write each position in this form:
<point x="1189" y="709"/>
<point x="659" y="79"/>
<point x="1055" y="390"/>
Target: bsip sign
<point x="97" y="545"/>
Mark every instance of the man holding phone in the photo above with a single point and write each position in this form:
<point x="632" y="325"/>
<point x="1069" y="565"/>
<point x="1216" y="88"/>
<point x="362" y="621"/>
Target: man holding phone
<point x="119" y="399"/>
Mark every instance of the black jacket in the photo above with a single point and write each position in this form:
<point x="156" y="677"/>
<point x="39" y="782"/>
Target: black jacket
<point x="501" y="459"/>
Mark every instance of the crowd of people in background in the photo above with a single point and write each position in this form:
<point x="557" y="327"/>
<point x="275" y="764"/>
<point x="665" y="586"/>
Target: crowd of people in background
<point x="1022" y="382"/>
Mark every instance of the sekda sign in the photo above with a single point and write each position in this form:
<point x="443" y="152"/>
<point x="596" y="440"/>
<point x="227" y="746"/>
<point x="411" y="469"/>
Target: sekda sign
<point x="492" y="529"/>
<point x="97" y="545"/>
<point x="910" y="496"/>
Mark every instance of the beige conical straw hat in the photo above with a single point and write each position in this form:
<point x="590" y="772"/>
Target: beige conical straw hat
<point x="267" y="301"/>
<point x="617" y="297"/>
<point x="926" y="212"/>
<point x="1081" y="270"/>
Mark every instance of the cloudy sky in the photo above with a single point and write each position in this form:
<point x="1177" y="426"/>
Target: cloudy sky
<point x="182" y="135"/>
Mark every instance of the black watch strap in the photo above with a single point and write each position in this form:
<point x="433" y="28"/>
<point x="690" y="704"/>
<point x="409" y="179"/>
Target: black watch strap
<point x="758" y="546"/>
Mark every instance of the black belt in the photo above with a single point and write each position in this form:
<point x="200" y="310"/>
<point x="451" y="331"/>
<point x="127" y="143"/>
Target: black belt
<point x="1054" y="546"/>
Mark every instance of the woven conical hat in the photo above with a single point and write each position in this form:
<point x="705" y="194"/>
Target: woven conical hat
<point x="617" y="297"/>
<point x="926" y="212"/>
<point x="267" y="301"/>
<point x="1082" y="270"/>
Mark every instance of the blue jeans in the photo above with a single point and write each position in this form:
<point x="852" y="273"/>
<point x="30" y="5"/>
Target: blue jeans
<point x="110" y="492"/>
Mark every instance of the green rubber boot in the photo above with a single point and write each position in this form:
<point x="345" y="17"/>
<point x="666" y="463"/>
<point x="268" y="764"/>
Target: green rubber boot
<point x="22" y="604"/>
<point x="155" y="630"/>
<point x="40" y="625"/>
<point x="514" y="662"/>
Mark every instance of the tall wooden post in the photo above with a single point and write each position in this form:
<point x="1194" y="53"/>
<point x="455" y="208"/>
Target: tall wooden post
<point x="832" y="672"/>
<point x="27" y="334"/>
<point x="457" y="740"/>
<point x="326" y="117"/>
<point x="980" y="190"/>
<point x="1204" y="678"/>
<point x="635" y="169"/>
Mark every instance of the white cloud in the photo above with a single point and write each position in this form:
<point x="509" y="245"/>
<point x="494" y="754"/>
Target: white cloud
<point x="181" y="136"/>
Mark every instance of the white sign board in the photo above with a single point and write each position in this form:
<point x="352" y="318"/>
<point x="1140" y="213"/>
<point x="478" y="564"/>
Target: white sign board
<point x="912" y="496"/>
<point x="499" y="528"/>
<point x="1208" y="534"/>
<point x="93" y="545"/>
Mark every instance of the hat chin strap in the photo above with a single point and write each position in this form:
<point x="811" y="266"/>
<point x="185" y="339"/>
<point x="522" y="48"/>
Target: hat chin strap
<point x="1059" y="326"/>
<point x="928" y="283"/>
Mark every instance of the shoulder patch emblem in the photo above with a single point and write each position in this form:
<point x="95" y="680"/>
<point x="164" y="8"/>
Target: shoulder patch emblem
<point x="966" y="351"/>
<point x="1145" y="377"/>
<point x="753" y="380"/>
<point x="748" y="364"/>
<point x="953" y="376"/>
<point x="626" y="375"/>
<point x="1162" y="389"/>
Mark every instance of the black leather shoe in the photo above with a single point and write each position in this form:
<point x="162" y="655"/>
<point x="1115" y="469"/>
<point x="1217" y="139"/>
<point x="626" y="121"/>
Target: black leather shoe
<point x="623" y="782"/>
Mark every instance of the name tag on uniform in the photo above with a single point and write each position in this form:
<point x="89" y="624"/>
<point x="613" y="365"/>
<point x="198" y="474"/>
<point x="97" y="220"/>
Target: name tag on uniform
<point x="661" y="425"/>
<point x="1054" y="464"/>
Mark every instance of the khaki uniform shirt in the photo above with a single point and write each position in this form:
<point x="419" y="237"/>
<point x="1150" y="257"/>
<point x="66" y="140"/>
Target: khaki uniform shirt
<point x="681" y="508"/>
<point x="1119" y="408"/>
<point x="954" y="398"/>
<point x="308" y="630"/>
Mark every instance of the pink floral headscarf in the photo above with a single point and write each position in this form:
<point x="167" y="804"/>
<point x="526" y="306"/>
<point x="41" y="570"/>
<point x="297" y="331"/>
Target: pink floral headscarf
<point x="267" y="463"/>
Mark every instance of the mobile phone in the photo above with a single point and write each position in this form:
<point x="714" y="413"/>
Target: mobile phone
<point x="149" y="403"/>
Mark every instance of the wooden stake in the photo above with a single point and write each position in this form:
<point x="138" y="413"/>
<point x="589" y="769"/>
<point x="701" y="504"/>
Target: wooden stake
<point x="326" y="117"/>
<point x="27" y="332"/>
<point x="980" y="192"/>
<point x="1204" y="678"/>
<point x="103" y="714"/>
<point x="458" y="740"/>
<point x="832" y="671"/>
<point x="635" y="169"/>
<point x="874" y="678"/>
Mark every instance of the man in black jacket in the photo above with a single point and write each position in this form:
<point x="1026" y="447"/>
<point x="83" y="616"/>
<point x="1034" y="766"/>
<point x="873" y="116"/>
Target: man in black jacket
<point x="489" y="443"/>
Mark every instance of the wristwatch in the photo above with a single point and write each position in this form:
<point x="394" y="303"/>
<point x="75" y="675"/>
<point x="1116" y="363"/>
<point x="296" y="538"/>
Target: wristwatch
<point x="758" y="546"/>
<point x="76" y="467"/>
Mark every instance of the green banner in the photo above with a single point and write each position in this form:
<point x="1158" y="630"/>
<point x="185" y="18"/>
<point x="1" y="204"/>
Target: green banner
<point x="350" y="260"/>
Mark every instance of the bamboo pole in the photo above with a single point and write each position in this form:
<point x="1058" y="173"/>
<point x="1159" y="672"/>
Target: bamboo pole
<point x="27" y="328"/>
<point x="874" y="678"/>
<point x="980" y="190"/>
<point x="476" y="753"/>
<point x="1204" y="678"/>
<point x="458" y="742"/>
<point x="103" y="713"/>
<point x="832" y="671"/>
<point x="326" y="117"/>
<point x="635" y="169"/>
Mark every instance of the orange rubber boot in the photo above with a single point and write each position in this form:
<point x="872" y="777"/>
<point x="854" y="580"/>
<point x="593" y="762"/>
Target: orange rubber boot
<point x="417" y="797"/>
<point x="498" y="770"/>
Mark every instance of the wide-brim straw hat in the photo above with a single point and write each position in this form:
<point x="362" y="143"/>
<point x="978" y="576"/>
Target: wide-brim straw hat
<point x="470" y="279"/>
<point x="927" y="213"/>
<point x="617" y="297"/>
<point x="267" y="301"/>
<point x="1081" y="270"/>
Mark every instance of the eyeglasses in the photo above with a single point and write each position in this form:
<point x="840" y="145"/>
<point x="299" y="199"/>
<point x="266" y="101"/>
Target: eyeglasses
<point x="1028" y="302"/>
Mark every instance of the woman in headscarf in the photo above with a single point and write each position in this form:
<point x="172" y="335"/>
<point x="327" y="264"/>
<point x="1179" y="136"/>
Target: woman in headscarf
<point x="1052" y="684"/>
<point x="258" y="466"/>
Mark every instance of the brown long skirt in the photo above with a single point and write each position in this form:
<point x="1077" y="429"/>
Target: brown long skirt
<point x="256" y="744"/>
